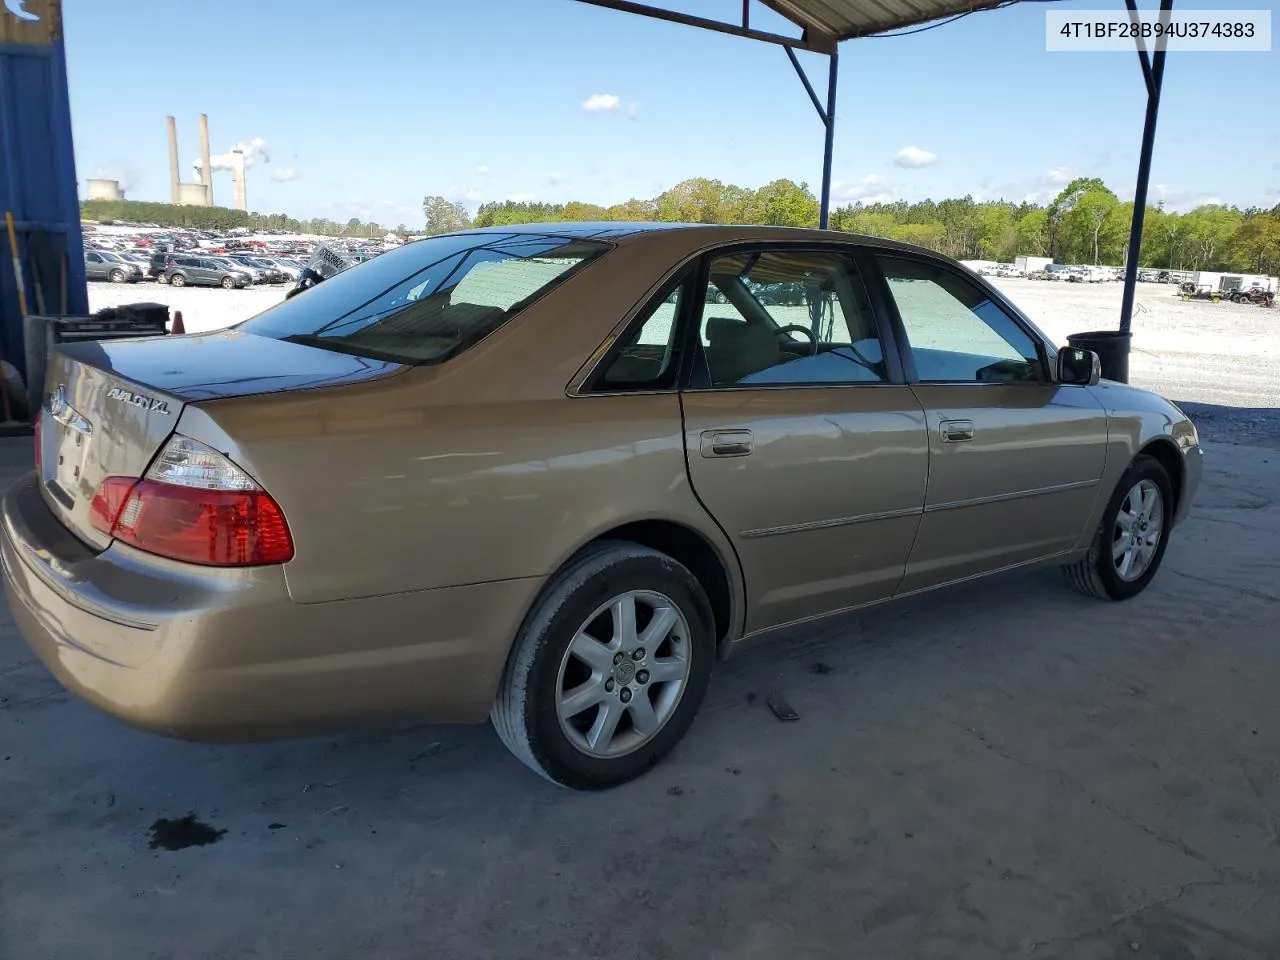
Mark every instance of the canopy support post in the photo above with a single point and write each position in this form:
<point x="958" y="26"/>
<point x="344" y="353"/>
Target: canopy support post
<point x="828" y="117"/>
<point x="1153" y="74"/>
<point x="824" y="208"/>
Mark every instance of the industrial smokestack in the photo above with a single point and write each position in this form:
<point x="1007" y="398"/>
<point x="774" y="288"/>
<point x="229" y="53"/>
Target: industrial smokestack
<point x="237" y="179"/>
<point x="206" y="168"/>
<point x="174" y="178"/>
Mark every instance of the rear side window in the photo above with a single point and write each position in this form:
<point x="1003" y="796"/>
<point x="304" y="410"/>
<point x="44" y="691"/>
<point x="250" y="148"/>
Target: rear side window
<point x="647" y="358"/>
<point x="429" y="300"/>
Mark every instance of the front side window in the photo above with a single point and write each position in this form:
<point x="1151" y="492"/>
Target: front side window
<point x="955" y="331"/>
<point x="429" y="300"/>
<point x="782" y="317"/>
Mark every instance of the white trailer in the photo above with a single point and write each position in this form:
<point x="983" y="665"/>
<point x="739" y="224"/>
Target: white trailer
<point x="1244" y="282"/>
<point x="1031" y="264"/>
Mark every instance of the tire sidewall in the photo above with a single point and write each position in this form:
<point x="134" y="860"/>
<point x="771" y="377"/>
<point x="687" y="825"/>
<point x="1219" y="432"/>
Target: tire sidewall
<point x="622" y="573"/>
<point x="1143" y="468"/>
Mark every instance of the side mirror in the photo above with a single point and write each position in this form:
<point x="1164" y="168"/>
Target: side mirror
<point x="1079" y="367"/>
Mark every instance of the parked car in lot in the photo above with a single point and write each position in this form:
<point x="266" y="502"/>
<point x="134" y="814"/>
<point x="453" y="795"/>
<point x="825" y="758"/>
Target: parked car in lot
<point x="204" y="271"/>
<point x="537" y="474"/>
<point x="103" y="265"/>
<point x="261" y="270"/>
<point x="288" y="271"/>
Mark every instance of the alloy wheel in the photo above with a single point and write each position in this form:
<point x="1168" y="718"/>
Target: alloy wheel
<point x="1138" y="528"/>
<point x="623" y="674"/>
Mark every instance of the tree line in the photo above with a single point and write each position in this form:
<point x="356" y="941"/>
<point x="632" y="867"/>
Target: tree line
<point x="1085" y="223"/>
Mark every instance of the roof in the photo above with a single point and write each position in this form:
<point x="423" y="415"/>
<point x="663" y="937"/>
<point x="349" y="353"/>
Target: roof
<point x="694" y="234"/>
<point x="847" y="19"/>
<point x="824" y="23"/>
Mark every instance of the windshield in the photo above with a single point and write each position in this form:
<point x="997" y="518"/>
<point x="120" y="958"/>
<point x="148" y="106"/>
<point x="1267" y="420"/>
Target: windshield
<point x="429" y="300"/>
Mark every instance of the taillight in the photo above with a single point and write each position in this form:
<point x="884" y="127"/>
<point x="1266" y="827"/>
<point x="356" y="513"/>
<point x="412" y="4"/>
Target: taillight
<point x="197" y="506"/>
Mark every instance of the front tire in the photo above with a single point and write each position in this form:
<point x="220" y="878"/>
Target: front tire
<point x="228" y="283"/>
<point x="118" y="276"/>
<point x="609" y="669"/>
<point x="1127" y="549"/>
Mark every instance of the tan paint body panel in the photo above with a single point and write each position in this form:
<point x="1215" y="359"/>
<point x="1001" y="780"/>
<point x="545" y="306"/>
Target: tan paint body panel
<point x="824" y="509"/>
<point x="227" y="655"/>
<point x="1020" y="490"/>
<point x="430" y="505"/>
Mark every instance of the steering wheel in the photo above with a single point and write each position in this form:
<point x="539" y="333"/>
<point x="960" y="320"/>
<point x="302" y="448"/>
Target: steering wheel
<point x="797" y="328"/>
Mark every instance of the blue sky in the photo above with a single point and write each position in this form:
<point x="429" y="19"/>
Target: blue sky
<point x="366" y="106"/>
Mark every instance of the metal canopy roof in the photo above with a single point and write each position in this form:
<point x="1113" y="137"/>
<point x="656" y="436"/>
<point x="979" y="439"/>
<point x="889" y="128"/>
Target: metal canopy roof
<point x="847" y="19"/>
<point x="824" y="23"/>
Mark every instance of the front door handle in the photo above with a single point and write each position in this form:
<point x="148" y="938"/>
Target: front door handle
<point x="726" y="443"/>
<point x="957" y="431"/>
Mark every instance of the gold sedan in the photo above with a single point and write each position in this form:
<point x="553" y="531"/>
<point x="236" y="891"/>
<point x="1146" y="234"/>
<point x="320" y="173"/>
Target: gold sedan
<point x="550" y="474"/>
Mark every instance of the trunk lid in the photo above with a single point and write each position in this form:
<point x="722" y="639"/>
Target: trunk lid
<point x="111" y="405"/>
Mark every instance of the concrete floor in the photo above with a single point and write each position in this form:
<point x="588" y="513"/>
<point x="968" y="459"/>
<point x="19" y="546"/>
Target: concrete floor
<point x="1004" y="770"/>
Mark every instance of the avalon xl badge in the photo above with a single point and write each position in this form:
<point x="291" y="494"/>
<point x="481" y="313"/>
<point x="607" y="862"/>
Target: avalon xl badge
<point x="149" y="404"/>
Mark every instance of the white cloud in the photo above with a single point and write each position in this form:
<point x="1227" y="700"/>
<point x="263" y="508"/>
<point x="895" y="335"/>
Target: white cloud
<point x="556" y="179"/>
<point x="633" y="113"/>
<point x="483" y="169"/>
<point x="873" y="188"/>
<point x="284" y="174"/>
<point x="602" y="102"/>
<point x="522" y="197"/>
<point x="913" y="158"/>
<point x="1061" y="175"/>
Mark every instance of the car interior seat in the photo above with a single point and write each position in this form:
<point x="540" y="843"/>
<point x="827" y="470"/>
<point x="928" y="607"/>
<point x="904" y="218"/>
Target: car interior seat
<point x="736" y="349"/>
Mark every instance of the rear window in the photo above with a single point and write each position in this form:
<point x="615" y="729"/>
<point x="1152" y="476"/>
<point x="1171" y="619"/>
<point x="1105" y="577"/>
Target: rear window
<point x="428" y="300"/>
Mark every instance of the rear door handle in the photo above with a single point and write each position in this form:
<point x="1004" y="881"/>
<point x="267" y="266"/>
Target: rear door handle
<point x="956" y="431"/>
<point x="726" y="443"/>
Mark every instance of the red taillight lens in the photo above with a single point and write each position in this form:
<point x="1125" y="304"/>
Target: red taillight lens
<point x="223" y="528"/>
<point x="108" y="501"/>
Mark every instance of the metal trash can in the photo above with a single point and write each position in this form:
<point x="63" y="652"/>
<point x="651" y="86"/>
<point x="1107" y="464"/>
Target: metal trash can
<point x="1112" y="348"/>
<point x="41" y="334"/>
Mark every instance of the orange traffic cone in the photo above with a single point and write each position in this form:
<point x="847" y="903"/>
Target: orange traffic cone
<point x="177" y="328"/>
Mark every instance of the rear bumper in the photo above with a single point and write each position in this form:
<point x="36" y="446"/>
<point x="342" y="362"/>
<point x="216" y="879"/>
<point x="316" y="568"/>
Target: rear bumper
<point x="226" y="655"/>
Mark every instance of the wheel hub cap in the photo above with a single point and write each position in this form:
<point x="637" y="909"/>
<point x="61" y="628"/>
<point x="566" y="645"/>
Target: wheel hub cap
<point x="625" y="672"/>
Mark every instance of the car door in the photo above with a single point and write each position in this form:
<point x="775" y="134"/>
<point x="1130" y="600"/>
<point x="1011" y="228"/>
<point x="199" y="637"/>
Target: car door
<point x="209" y="271"/>
<point x="1015" y="458"/>
<point x="94" y="266"/>
<point x="803" y="440"/>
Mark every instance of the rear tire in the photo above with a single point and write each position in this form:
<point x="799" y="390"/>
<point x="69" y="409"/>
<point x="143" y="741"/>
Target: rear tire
<point x="1130" y="541"/>
<point x="177" y="280"/>
<point x="581" y="701"/>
